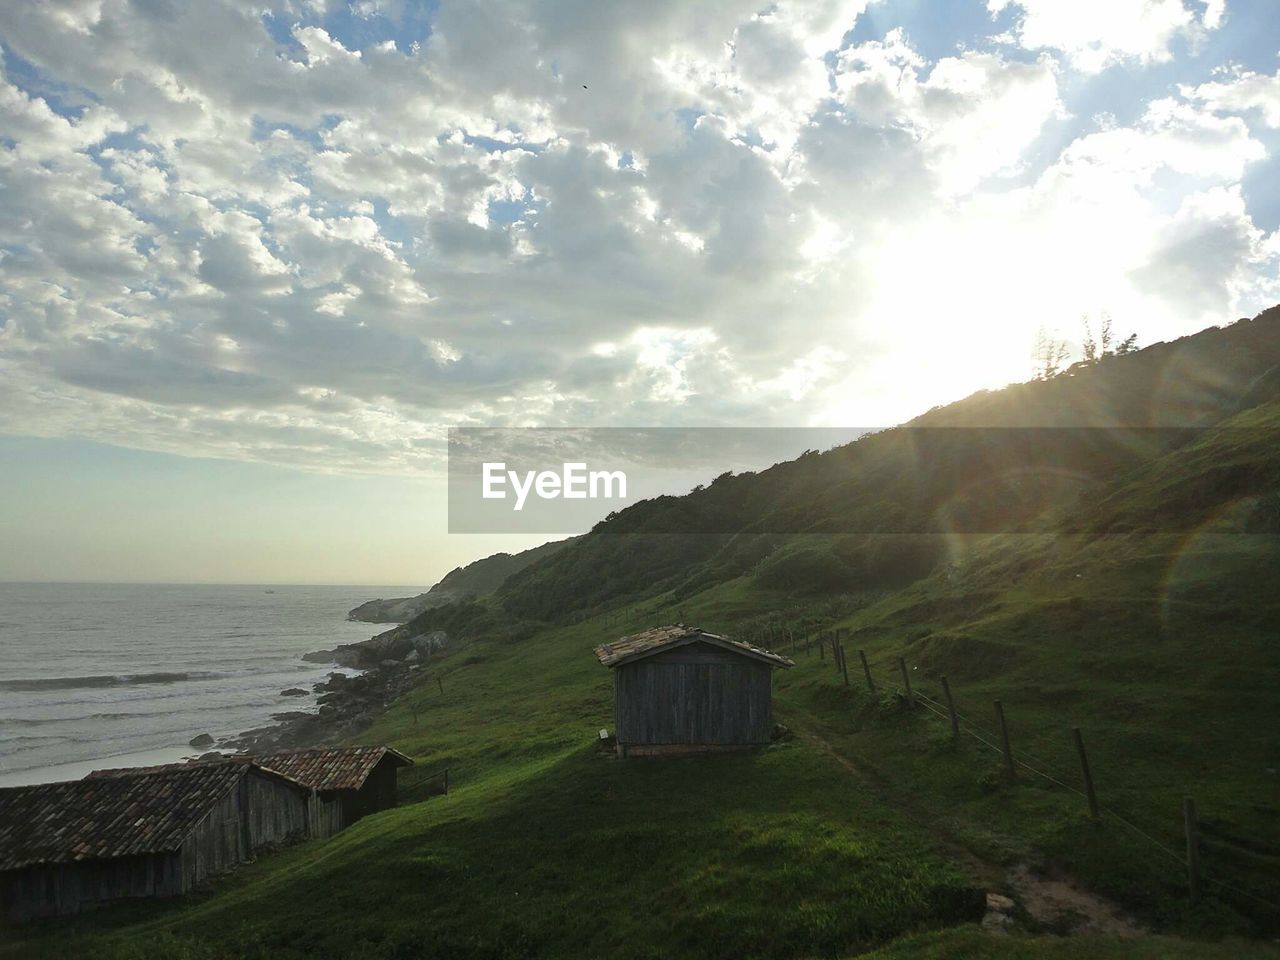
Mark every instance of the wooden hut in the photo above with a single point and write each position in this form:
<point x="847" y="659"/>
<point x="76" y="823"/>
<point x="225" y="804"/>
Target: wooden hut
<point x="678" y="689"/>
<point x="363" y="779"/>
<point x="82" y="843"/>
<point x="346" y="783"/>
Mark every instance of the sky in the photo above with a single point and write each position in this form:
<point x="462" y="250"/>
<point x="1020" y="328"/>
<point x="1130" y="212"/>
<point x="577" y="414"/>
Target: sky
<point x="257" y="258"/>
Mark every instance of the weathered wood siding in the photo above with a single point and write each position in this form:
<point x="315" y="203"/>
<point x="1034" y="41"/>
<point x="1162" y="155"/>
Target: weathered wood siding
<point x="696" y="694"/>
<point x="324" y="815"/>
<point x="61" y="888"/>
<point x="377" y="793"/>
<point x="258" y="812"/>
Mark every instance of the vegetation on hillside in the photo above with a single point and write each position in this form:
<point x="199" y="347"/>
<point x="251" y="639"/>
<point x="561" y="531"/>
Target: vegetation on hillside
<point x="477" y="579"/>
<point x="1128" y="585"/>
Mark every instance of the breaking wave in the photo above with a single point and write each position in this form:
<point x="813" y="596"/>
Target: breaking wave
<point x="103" y="680"/>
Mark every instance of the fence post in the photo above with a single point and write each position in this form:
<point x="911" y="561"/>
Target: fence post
<point x="866" y="670"/>
<point x="1004" y="740"/>
<point x="906" y="682"/>
<point x="844" y="665"/>
<point x="822" y="646"/>
<point x="1192" y="824"/>
<point x="1084" y="769"/>
<point x="951" y="708"/>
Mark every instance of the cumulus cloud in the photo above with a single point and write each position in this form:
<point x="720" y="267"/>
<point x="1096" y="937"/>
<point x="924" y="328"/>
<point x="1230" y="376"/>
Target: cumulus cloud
<point x="1097" y="33"/>
<point x="321" y="247"/>
<point x="1244" y="93"/>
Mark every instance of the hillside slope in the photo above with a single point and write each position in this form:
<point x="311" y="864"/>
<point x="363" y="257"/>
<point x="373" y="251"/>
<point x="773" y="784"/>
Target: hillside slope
<point x="1124" y="582"/>
<point x="476" y="579"/>
<point x="995" y="462"/>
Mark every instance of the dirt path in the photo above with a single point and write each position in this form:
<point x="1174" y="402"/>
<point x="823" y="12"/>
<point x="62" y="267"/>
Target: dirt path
<point x="1057" y="902"/>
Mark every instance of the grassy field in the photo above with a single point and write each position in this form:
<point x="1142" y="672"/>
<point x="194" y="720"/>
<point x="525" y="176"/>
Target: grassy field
<point x="866" y="825"/>
<point x="550" y="847"/>
<point x="1173" y="693"/>
<point x="868" y="828"/>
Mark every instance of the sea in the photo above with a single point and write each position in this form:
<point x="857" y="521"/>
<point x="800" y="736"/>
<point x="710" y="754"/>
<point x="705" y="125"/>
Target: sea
<point x="113" y="675"/>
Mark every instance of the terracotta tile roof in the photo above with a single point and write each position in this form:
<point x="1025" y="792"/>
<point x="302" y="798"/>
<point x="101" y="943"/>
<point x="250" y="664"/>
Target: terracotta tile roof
<point x="109" y="816"/>
<point x="340" y="768"/>
<point x="335" y="768"/>
<point x="223" y="760"/>
<point x="656" y="639"/>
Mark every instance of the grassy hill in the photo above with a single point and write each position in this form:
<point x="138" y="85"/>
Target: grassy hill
<point x="1124" y="582"/>
<point x="476" y="579"/>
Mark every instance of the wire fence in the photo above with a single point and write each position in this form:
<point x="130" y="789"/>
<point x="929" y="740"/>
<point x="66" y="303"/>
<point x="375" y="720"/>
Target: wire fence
<point x="829" y="645"/>
<point x="424" y="783"/>
<point x="803" y="630"/>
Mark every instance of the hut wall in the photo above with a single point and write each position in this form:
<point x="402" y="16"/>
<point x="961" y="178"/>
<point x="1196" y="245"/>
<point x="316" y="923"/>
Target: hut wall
<point x="61" y="888"/>
<point x="324" y="815"/>
<point x="697" y="694"/>
<point x="377" y="793"/>
<point x="258" y="812"/>
<point x="274" y="812"/>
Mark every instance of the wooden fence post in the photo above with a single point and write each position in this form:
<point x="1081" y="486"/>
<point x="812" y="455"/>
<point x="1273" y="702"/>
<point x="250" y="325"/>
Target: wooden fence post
<point x="951" y="708"/>
<point x="906" y="682"/>
<point x="866" y="670"/>
<point x="1192" y="824"/>
<point x="1084" y="770"/>
<point x="844" y="665"/>
<point x="1004" y="740"/>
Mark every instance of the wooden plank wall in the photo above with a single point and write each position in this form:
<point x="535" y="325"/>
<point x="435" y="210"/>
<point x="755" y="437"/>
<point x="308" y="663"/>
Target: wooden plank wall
<point x="697" y="694"/>
<point x="258" y="812"/>
<point x="50" y="889"/>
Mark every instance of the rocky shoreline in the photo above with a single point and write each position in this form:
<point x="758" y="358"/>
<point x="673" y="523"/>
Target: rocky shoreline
<point x="392" y="663"/>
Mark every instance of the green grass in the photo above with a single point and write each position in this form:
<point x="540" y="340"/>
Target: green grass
<point x="1173" y="692"/>
<point x="966" y="943"/>
<point x="871" y="829"/>
<point x="550" y="847"/>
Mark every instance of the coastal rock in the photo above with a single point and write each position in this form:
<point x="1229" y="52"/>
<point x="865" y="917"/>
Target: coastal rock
<point x="293" y="692"/>
<point x="203" y="740"/>
<point x="394" y="644"/>
<point x="346" y="702"/>
<point x="999" y="914"/>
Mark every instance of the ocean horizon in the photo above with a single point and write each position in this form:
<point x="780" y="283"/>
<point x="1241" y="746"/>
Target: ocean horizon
<point x="109" y="674"/>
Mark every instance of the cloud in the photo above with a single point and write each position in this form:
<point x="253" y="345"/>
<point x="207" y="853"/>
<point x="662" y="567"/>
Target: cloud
<point x="1246" y="92"/>
<point x="1205" y="252"/>
<point x="972" y="115"/>
<point x="301" y="246"/>
<point x="1094" y="34"/>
